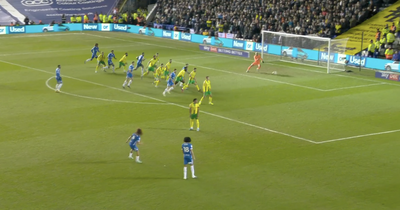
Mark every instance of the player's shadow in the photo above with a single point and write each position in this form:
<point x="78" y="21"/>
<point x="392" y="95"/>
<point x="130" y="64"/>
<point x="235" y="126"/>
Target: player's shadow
<point x="143" y="178"/>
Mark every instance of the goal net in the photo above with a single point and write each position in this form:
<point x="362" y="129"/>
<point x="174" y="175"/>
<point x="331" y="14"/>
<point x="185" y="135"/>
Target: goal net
<point x="306" y="50"/>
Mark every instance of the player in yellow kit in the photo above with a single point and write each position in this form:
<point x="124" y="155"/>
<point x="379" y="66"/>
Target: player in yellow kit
<point x="192" y="80"/>
<point x="157" y="75"/>
<point x="180" y="78"/>
<point x="151" y="65"/>
<point x="122" y="62"/>
<point x="207" y="90"/>
<point x="194" y="109"/>
<point x="100" y="61"/>
<point x="165" y="74"/>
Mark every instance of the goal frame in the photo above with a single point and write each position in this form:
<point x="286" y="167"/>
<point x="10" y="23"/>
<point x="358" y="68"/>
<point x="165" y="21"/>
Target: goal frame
<point x="327" y="40"/>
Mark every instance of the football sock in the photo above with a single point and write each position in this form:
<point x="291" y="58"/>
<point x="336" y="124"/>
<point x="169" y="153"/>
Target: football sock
<point x="248" y="68"/>
<point x="130" y="82"/>
<point x="145" y="73"/>
<point x="210" y="99"/>
<point x="185" y="86"/>
<point x="201" y="99"/>
<point x="97" y="67"/>
<point x="56" y="86"/>
<point x="198" y="123"/>
<point x="171" y="88"/>
<point x="123" y="85"/>
<point x="130" y="154"/>
<point x="157" y="83"/>
<point x="197" y="87"/>
<point x="59" y="86"/>
<point x="88" y="60"/>
<point x="137" y="158"/>
<point x="191" y="123"/>
<point x="184" y="172"/>
<point x="192" y="169"/>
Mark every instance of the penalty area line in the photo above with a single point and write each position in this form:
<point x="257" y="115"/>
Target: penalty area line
<point x="159" y="100"/>
<point x="358" y="136"/>
<point x="102" y="99"/>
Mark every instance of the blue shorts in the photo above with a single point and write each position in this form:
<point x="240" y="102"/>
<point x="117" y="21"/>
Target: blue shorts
<point x="110" y="63"/>
<point x="134" y="147"/>
<point x="139" y="64"/>
<point x="59" y="80"/>
<point x="170" y="83"/>
<point x="129" y="75"/>
<point x="187" y="160"/>
<point x="93" y="56"/>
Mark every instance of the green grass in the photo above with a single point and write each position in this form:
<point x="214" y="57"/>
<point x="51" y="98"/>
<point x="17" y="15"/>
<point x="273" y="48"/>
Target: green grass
<point x="263" y="145"/>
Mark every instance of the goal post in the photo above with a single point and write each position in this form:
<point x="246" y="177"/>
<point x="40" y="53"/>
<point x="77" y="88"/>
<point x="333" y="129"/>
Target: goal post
<point x="306" y="50"/>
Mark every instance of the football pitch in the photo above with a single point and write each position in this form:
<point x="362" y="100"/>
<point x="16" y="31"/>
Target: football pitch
<point x="300" y="139"/>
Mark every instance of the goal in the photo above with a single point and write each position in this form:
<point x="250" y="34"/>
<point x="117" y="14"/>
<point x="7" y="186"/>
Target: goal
<point x="306" y="50"/>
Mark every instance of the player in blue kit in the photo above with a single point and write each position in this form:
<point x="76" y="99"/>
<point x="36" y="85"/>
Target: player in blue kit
<point x="170" y="82"/>
<point x="94" y="51"/>
<point x="129" y="75"/>
<point x="188" y="157"/>
<point x="110" y="56"/>
<point x="133" y="140"/>
<point x="140" y="60"/>
<point x="59" y="79"/>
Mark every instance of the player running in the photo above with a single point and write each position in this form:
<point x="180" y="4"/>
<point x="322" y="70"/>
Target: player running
<point x="59" y="79"/>
<point x="133" y="140"/>
<point x="140" y="60"/>
<point x="192" y="80"/>
<point x="170" y="82"/>
<point x="94" y="51"/>
<point x="100" y="61"/>
<point x="129" y="75"/>
<point x="157" y="75"/>
<point x="111" y="56"/>
<point x="188" y="157"/>
<point x="180" y="78"/>
<point x="151" y="65"/>
<point x="157" y="59"/>
<point x="165" y="74"/>
<point x="122" y="62"/>
<point x="257" y="60"/>
<point x="194" y="109"/>
<point x="207" y="90"/>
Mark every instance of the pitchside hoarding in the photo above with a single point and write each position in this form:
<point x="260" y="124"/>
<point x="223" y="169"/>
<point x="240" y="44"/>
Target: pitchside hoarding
<point x="49" y="10"/>
<point x="224" y="51"/>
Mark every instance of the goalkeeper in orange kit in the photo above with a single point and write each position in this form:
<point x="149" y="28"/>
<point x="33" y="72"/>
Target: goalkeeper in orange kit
<point x="257" y="60"/>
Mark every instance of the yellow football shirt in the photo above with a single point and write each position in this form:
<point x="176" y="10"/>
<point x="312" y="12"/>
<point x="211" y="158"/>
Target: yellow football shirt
<point x="207" y="85"/>
<point x="181" y="73"/>
<point x="192" y="75"/>
<point x="194" y="108"/>
<point x="101" y="57"/>
<point x="152" y="62"/>
<point x="168" y="65"/>
<point x="123" y="59"/>
<point x="159" y="70"/>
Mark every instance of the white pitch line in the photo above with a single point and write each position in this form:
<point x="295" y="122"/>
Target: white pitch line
<point x="359" y="136"/>
<point x="102" y="99"/>
<point x="178" y="105"/>
<point x="357" y="86"/>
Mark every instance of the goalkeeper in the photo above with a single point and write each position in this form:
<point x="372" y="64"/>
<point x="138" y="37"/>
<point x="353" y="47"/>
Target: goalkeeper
<point x="257" y="60"/>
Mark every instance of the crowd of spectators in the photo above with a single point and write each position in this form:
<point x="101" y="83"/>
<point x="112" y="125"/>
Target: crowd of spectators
<point x="135" y="18"/>
<point x="246" y="18"/>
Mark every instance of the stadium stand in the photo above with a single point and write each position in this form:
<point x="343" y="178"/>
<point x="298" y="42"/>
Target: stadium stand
<point x="246" y="18"/>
